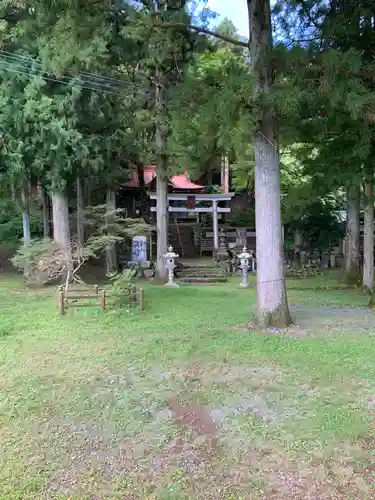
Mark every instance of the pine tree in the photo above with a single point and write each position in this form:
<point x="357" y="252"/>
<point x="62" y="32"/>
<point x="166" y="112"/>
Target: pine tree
<point x="73" y="123"/>
<point x="331" y="68"/>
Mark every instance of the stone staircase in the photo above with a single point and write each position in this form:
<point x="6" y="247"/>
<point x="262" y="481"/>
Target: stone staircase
<point x="201" y="275"/>
<point x="181" y="237"/>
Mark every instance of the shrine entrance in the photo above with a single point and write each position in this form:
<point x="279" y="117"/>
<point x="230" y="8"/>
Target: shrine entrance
<point x="184" y="203"/>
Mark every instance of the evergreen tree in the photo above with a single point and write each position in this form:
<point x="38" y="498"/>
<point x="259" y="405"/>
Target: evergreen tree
<point x="332" y="72"/>
<point x="73" y="123"/>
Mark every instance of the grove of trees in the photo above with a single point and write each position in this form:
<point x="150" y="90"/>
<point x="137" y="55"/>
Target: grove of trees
<point x="92" y="90"/>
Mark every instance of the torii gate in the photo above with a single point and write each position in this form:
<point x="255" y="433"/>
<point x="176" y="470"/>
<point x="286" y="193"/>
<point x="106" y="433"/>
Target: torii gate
<point x="192" y="199"/>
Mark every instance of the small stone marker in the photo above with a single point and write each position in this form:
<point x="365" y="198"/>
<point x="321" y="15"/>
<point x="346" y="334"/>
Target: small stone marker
<point x="170" y="264"/>
<point x="244" y="266"/>
<point x="222" y="253"/>
<point x="240" y="237"/>
<point x="139" y="249"/>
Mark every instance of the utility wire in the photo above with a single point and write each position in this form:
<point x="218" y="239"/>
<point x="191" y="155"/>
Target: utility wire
<point x="66" y="81"/>
<point x="77" y="81"/>
<point x="36" y="62"/>
<point x="55" y="80"/>
<point x="95" y="82"/>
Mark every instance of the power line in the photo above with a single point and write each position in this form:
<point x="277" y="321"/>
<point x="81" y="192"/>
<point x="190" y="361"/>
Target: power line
<point x="23" y="59"/>
<point x="88" y="80"/>
<point x="72" y="81"/>
<point x="55" y="80"/>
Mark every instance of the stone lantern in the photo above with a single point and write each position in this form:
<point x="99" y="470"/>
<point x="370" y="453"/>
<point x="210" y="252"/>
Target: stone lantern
<point x="170" y="263"/>
<point x="244" y="266"/>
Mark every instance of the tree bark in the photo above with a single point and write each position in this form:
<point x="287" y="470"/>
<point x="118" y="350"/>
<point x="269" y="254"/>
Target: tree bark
<point x="26" y="215"/>
<point x="45" y="212"/>
<point x="142" y="191"/>
<point x="161" y="180"/>
<point x="80" y="214"/>
<point x="61" y="228"/>
<point x="161" y="225"/>
<point x="352" y="254"/>
<point x="298" y="241"/>
<point x="368" y="238"/>
<point x="272" y="304"/>
<point x="88" y="192"/>
<point x="111" y="252"/>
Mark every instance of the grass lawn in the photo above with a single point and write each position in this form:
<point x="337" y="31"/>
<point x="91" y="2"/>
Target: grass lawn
<point x="182" y="401"/>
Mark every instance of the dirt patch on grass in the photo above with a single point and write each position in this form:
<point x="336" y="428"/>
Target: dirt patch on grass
<point x="233" y="373"/>
<point x="292" y="331"/>
<point x="248" y="404"/>
<point x="89" y="457"/>
<point x="196" y="418"/>
<point x="318" y="321"/>
<point x="311" y="484"/>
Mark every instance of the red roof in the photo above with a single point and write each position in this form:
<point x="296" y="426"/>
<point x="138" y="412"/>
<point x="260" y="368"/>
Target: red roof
<point x="176" y="181"/>
<point x="149" y="175"/>
<point x="183" y="182"/>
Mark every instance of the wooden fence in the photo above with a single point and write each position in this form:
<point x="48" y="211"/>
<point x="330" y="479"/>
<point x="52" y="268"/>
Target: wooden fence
<point x="96" y="297"/>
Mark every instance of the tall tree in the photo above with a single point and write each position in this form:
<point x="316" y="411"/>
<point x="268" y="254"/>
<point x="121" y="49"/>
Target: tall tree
<point x="368" y="236"/>
<point x="331" y="70"/>
<point x="160" y="29"/>
<point x="352" y="254"/>
<point x="271" y="290"/>
<point x="75" y="123"/>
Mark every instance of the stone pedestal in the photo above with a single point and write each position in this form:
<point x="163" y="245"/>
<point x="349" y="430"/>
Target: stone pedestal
<point x="244" y="266"/>
<point x="170" y="264"/>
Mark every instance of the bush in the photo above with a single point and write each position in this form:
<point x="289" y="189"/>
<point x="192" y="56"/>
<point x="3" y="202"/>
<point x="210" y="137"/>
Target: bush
<point x="11" y="227"/>
<point x="121" y="284"/>
<point x="41" y="261"/>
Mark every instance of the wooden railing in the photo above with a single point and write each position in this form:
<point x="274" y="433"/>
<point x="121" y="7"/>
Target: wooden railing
<point x="96" y="297"/>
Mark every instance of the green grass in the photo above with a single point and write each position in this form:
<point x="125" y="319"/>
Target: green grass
<point x="182" y="401"/>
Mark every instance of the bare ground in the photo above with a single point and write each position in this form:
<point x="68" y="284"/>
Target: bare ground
<point x="231" y="447"/>
<point x="321" y="321"/>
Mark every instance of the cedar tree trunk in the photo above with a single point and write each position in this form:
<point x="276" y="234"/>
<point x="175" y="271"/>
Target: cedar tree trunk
<point x="352" y="254"/>
<point x="61" y="227"/>
<point x="368" y="238"/>
<point x="161" y="180"/>
<point x="111" y="252"/>
<point x="272" y="305"/>
<point x="80" y="214"/>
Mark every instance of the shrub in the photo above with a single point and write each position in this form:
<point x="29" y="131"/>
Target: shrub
<point x="121" y="284"/>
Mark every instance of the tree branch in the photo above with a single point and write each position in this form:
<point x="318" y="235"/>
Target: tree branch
<point x="308" y="14"/>
<point x="204" y="31"/>
<point x="300" y="40"/>
<point x="224" y="38"/>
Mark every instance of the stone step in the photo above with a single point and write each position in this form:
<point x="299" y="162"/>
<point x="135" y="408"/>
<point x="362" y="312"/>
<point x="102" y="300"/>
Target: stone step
<point x="201" y="275"/>
<point x="202" y="281"/>
<point x="201" y="271"/>
<point x="203" y="268"/>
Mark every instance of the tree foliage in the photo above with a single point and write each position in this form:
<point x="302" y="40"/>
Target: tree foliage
<point x="43" y="260"/>
<point x="212" y="110"/>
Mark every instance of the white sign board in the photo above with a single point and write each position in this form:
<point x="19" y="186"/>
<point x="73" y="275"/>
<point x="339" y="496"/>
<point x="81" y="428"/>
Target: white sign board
<point x="139" y="249"/>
